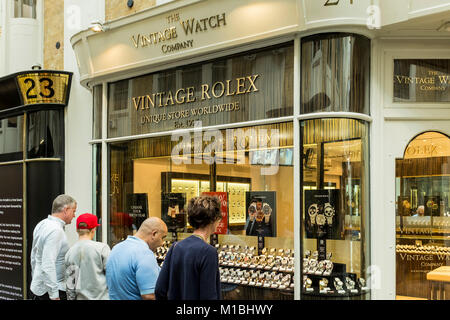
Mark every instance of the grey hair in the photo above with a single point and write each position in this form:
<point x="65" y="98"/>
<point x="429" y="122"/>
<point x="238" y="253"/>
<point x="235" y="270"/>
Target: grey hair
<point x="62" y="201"/>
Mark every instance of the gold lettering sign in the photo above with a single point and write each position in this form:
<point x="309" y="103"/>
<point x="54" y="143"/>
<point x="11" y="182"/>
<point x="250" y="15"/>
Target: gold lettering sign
<point x="422" y="80"/>
<point x="44" y="87"/>
<point x="158" y="101"/>
<point x="168" y="38"/>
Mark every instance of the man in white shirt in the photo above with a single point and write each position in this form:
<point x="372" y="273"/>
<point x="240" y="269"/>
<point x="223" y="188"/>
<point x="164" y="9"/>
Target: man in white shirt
<point x="49" y="249"/>
<point x="86" y="263"/>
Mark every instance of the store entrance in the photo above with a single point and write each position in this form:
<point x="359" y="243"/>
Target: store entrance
<point x="422" y="191"/>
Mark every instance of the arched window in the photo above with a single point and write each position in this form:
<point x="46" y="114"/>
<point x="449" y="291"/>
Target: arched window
<point x="423" y="214"/>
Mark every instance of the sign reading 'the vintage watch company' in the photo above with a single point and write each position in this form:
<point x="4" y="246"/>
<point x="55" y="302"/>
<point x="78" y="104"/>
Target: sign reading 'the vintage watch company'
<point x="422" y="80"/>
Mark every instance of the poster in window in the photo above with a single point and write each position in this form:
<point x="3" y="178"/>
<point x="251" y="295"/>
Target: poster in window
<point x="222" y="228"/>
<point x="322" y="214"/>
<point x="173" y="210"/>
<point x="261" y="213"/>
<point x="137" y="208"/>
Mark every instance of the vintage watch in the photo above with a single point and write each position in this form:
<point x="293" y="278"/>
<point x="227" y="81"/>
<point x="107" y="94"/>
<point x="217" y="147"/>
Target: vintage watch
<point x="323" y="285"/>
<point x="328" y="268"/>
<point x="339" y="285"/>
<point x="320" y="267"/>
<point x="349" y="283"/>
<point x="307" y="283"/>
<point x="362" y="284"/>
<point x="307" y="254"/>
<point x="312" y="266"/>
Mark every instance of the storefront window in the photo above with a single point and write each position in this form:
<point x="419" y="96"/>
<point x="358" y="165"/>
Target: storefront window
<point x="335" y="73"/>
<point x="335" y="206"/>
<point x="248" y="168"/>
<point x="252" y="86"/>
<point x="45" y="134"/>
<point x="423" y="217"/>
<point x="11" y="138"/>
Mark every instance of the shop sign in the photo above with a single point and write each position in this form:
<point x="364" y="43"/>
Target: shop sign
<point x="168" y="38"/>
<point x="422" y="80"/>
<point x="44" y="87"/>
<point x="162" y="101"/>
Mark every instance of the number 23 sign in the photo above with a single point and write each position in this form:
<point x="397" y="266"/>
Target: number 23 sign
<point x="44" y="87"/>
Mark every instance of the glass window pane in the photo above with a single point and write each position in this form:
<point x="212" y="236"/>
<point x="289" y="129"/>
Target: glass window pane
<point x="11" y="138"/>
<point x="335" y="208"/>
<point x="423" y="215"/>
<point x="25" y="9"/>
<point x="45" y="134"/>
<point x="97" y="112"/>
<point x="248" y="168"/>
<point x="335" y="73"/>
<point x="250" y="86"/>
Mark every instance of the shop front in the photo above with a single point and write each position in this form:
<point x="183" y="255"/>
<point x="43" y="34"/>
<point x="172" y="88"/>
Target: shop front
<point x="274" y="118"/>
<point x="32" y="107"/>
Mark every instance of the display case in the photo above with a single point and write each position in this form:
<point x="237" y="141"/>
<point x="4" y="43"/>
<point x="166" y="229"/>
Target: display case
<point x="249" y="272"/>
<point x="192" y="185"/>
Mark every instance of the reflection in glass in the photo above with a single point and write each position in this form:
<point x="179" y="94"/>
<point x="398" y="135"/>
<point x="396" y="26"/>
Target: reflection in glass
<point x="335" y="73"/>
<point x="335" y="207"/>
<point x="11" y="138"/>
<point x="45" y="134"/>
<point x="147" y="166"/>
<point x="212" y="92"/>
<point x="422" y="214"/>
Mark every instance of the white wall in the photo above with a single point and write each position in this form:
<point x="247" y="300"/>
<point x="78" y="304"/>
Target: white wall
<point x="78" y="14"/>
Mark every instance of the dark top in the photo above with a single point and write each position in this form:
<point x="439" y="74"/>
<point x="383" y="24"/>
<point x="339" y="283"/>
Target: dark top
<point x="190" y="272"/>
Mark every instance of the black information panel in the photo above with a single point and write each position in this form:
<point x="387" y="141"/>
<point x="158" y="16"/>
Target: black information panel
<point x="11" y="232"/>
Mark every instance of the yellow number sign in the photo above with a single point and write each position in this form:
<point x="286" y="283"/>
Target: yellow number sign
<point x="44" y="87"/>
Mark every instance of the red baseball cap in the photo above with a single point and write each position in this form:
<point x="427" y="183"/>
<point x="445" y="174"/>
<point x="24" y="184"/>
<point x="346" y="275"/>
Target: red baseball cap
<point x="87" y="221"/>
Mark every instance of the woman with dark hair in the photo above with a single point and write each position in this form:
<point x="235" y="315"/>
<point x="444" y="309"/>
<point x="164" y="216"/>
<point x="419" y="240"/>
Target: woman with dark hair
<point x="191" y="268"/>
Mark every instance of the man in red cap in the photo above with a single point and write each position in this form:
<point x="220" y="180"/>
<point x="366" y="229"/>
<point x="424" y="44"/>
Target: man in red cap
<point x="86" y="263"/>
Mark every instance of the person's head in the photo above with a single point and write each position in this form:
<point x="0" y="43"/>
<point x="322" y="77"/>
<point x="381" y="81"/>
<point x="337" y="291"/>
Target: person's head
<point x="87" y="224"/>
<point x="420" y="210"/>
<point x="204" y="212"/>
<point x="153" y="231"/>
<point x="64" y="207"/>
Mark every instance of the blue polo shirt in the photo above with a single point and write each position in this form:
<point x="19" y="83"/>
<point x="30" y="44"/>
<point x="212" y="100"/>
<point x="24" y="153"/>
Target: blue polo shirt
<point x="131" y="270"/>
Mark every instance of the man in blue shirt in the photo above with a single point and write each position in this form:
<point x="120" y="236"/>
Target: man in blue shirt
<point x="132" y="269"/>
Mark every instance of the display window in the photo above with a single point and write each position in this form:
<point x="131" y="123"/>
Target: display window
<point x="335" y="220"/>
<point x="11" y="138"/>
<point x="252" y="177"/>
<point x="335" y="237"/>
<point x="423" y="218"/>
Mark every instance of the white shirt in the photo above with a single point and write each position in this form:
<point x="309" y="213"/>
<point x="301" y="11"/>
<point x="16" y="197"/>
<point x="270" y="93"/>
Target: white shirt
<point x="47" y="257"/>
<point x="86" y="268"/>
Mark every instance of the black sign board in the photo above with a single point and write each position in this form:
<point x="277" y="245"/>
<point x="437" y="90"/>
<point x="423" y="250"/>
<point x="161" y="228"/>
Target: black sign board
<point x="137" y="208"/>
<point x="422" y="80"/>
<point x="11" y="232"/>
<point x="323" y="218"/>
<point x="261" y="213"/>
